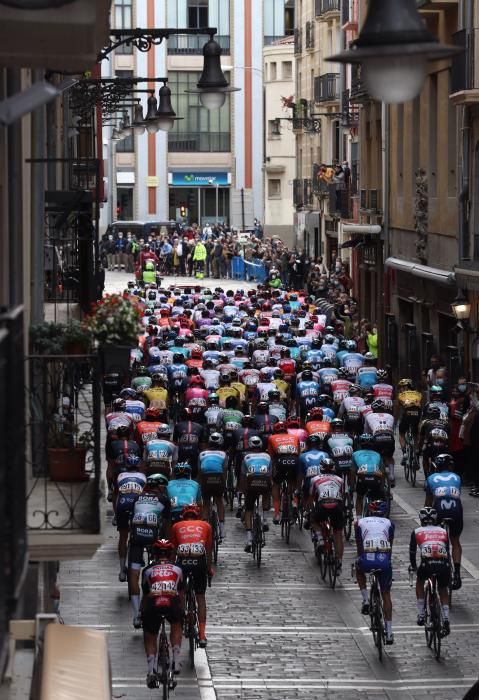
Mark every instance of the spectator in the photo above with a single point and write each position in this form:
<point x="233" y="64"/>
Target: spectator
<point x="372" y="338"/>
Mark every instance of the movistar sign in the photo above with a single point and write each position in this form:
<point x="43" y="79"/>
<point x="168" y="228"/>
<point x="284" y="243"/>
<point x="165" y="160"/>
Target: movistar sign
<point x="199" y="179"/>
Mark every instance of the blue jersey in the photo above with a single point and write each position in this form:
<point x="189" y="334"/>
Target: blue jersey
<point x="212" y="462"/>
<point x="183" y="492"/>
<point x="177" y="376"/>
<point x="341" y="448"/>
<point x="211" y="355"/>
<point x="329" y="351"/>
<point x="129" y="486"/>
<point x="327" y="375"/>
<point x="352" y="361"/>
<point x="366" y="377"/>
<point x="368" y="464"/>
<point x="310" y="461"/>
<point x="314" y="356"/>
<point x="180" y="350"/>
<point x="294" y="353"/>
<point x="444" y="485"/>
<point x="340" y="354"/>
<point x="159" y="453"/>
<point x="304" y="343"/>
<point x="307" y="393"/>
<point x="257" y="463"/>
<point x="157" y="369"/>
<point x="328" y="414"/>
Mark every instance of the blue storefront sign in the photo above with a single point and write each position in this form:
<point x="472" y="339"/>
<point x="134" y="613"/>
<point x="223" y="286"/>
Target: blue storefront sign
<point x="203" y="178"/>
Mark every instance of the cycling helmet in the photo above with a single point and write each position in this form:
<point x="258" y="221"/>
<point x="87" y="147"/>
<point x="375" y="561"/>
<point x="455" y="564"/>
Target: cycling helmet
<point x="382" y="375"/>
<point x="315" y="344"/>
<point x="216" y="440"/>
<point x="369" y="357"/>
<point x="182" y="469"/>
<point x="314" y="441"/>
<point x="197" y="380"/>
<point x="132" y="461"/>
<point x="324" y="400"/>
<point x="278" y="374"/>
<point x="274" y="395"/>
<point x="262" y="407"/>
<point x="327" y="466"/>
<point x="343" y="344"/>
<point x="157" y="377"/>
<point x="329" y="339"/>
<point x="428" y="516"/>
<point x="255" y="443"/>
<point x="280" y="427"/>
<point x="293" y="422"/>
<point x="119" y="405"/>
<point x="343" y="372"/>
<point x="378" y="406"/>
<point x="365" y="440"/>
<point x="178" y="358"/>
<point x="152" y="413"/>
<point x="231" y="402"/>
<point x="142" y="371"/>
<point x="337" y="424"/>
<point x="191" y="509"/>
<point x="377" y="508"/>
<point x="306" y="375"/>
<point x="403" y="384"/>
<point x="163" y="431"/>
<point x="355" y="390"/>
<point x="436" y="390"/>
<point x="247" y="421"/>
<point x="123" y="431"/>
<point x="326" y="362"/>
<point x="128" y="393"/>
<point x="351" y="345"/>
<point x="444" y="461"/>
<point x="162" y="549"/>
<point x="433" y="412"/>
<point x="213" y="399"/>
<point x="196" y="353"/>
<point x="315" y="413"/>
<point x="157" y="480"/>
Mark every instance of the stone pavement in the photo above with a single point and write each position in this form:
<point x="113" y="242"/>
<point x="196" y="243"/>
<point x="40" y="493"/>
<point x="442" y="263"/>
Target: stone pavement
<point x="117" y="281"/>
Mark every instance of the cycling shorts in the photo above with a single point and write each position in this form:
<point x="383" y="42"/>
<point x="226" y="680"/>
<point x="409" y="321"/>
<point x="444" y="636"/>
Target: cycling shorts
<point x="410" y="418"/>
<point x="285" y="468"/>
<point x="377" y="560"/>
<point x="439" y="567"/>
<point x="197" y="569"/>
<point x="450" y="508"/>
<point x="374" y="485"/>
<point x="384" y="444"/>
<point x="189" y="455"/>
<point x="334" y="513"/>
<point x="136" y="559"/>
<point x="353" y="425"/>
<point x="152" y="614"/>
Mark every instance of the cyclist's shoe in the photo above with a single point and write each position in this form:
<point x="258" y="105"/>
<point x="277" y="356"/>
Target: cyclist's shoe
<point x="265" y="527"/>
<point x="365" y="608"/>
<point x="446" y="629"/>
<point x="276" y="519"/>
<point x="122" y="576"/>
<point x="248" y="548"/>
<point x="176" y="667"/>
<point x="137" y="624"/>
<point x="151" y="680"/>
<point x="456" y="583"/>
<point x="239" y="512"/>
<point x="420" y="620"/>
<point x="202" y="642"/>
<point x="390" y="639"/>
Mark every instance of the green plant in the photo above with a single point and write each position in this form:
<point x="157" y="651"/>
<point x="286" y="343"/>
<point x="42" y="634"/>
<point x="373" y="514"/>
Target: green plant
<point x="115" y="320"/>
<point x="75" y="333"/>
<point x="47" y="338"/>
<point x="65" y="435"/>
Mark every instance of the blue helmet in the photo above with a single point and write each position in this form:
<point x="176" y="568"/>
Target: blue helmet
<point x="132" y="461"/>
<point x="377" y="508"/>
<point x="182" y="469"/>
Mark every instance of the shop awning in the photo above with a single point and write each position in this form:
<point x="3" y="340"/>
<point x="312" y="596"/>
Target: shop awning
<point x="434" y="274"/>
<point x="363" y="229"/>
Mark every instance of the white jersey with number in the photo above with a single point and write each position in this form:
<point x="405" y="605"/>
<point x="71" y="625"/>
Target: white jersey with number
<point x="375" y="534"/>
<point x="379" y="423"/>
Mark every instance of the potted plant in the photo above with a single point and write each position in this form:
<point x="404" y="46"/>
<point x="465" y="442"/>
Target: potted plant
<point x="76" y="338"/>
<point x="47" y="338"/>
<point x="114" y="323"/>
<point x="67" y="450"/>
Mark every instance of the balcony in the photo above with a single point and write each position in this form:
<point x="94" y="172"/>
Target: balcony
<point x="206" y="142"/>
<point x="350" y="113"/>
<point x="268" y="40"/>
<point x="307" y="192"/>
<point x="298" y="41"/>
<point x="63" y="498"/>
<point x="464" y="82"/>
<point x="309" y="35"/>
<point x="326" y="88"/>
<point x="192" y="45"/>
<point x="298" y="193"/>
<point x="327" y="8"/>
<point x="340" y="205"/>
<point x="358" y="93"/>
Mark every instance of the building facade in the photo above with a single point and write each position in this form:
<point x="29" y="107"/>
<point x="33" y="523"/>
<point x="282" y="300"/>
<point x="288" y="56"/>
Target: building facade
<point x="280" y="146"/>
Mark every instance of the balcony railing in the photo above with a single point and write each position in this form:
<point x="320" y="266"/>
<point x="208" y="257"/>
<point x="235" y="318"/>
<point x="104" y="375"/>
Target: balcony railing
<point x="309" y="35"/>
<point x="340" y="200"/>
<point x="350" y="113"/>
<point x="192" y="44"/>
<point x="358" y="93"/>
<point x="326" y="88"/>
<point x="268" y="40"/>
<point x="206" y="142"/>
<point x="63" y="490"/>
<point x="298" y="193"/>
<point x="307" y="192"/>
<point x="298" y="40"/>
<point x="462" y="70"/>
<point x="323" y="7"/>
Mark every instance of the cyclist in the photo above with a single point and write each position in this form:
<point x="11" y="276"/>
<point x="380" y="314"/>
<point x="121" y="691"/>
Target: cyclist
<point x="162" y="583"/>
<point x="211" y="376"/>
<point x="307" y="393"/>
<point x="443" y="493"/>
<point x="157" y="394"/>
<point x="309" y="467"/>
<point x="146" y="429"/>
<point x="263" y="422"/>
<point x="276" y="406"/>
<point x="213" y="414"/>
<point x="408" y="413"/>
<point x="436" y="398"/>
<point x="433" y="544"/>
<point x="118" y="446"/>
<point x="150" y="519"/>
<point x="374" y="541"/>
<point x="433" y="436"/>
<point x="129" y="485"/>
<point x="160" y="454"/>
<point x="340" y="387"/>
<point x="196" y="398"/>
<point x="189" y="436"/>
<point x="383" y="390"/>
<point x="368" y="473"/>
<point x="256" y="470"/>
<point x="194" y="545"/>
<point x="350" y="410"/>
<point x="380" y="424"/>
<point x="182" y="490"/>
<point x="177" y="374"/>
<point x="294" y="427"/>
<point x="326" y="491"/>
<point x="142" y="380"/>
<point x="212" y="464"/>
<point x="284" y="450"/>
<point x="340" y="445"/>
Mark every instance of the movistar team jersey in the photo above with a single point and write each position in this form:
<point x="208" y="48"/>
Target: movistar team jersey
<point x="177" y="376"/>
<point x="367" y="464"/>
<point x="309" y="462"/>
<point x="182" y="492"/>
<point x="314" y="356"/>
<point x="444" y="485"/>
<point x="212" y="462"/>
<point x="307" y="393"/>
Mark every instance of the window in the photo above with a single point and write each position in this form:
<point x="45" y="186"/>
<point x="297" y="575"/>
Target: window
<point x="126" y="145"/>
<point x="287" y="70"/>
<point x="274" y="188"/>
<point x="201" y="129"/>
<point x="273" y="129"/>
<point x="123" y="20"/>
<point x="278" y="20"/>
<point x="197" y="14"/>
<point x="272" y="70"/>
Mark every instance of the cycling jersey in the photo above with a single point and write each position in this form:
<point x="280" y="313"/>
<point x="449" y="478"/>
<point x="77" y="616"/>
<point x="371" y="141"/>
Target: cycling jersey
<point x="226" y="391"/>
<point x="370" y="475"/>
<point x="129" y="486"/>
<point x="193" y="540"/>
<point x="188" y="436"/>
<point x="302" y="436"/>
<point x="444" y="487"/>
<point x="374" y="535"/>
<point x="385" y="392"/>
<point x="182" y="492"/>
<point x="431" y="541"/>
<point x="310" y="461"/>
<point x="263" y="389"/>
<point x="443" y="407"/>
<point x="240" y="388"/>
<point x="264" y="423"/>
<point x="117" y="419"/>
<point x="157" y="394"/>
<point x="141" y="383"/>
<point x="340" y="389"/>
<point x="318" y="427"/>
<point x="136" y="409"/>
<point x="211" y="378"/>
<point x="409" y="398"/>
<point x="260" y="358"/>
<point x="327" y="375"/>
<point x="376" y="423"/>
<point x="366" y="377"/>
<point x="341" y="448"/>
<point x="118" y="450"/>
<point x="212" y="462"/>
<point x="162" y="584"/>
<point x="196" y="400"/>
<point x="278" y="409"/>
<point x="231" y="420"/>
<point x="307" y="393"/>
<point x="149" y="512"/>
<point x="351" y="408"/>
<point x="177" y="376"/>
<point x="145" y="431"/>
<point x="328" y="489"/>
<point x="352" y="361"/>
<point x="283" y="387"/>
<point x="159" y="456"/>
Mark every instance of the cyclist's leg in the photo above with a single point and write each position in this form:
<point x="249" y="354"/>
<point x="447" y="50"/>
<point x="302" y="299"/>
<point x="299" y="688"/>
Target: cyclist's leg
<point x="249" y="502"/>
<point x="276" y="498"/>
<point x="135" y="562"/>
<point x="337" y="522"/>
<point x="123" y="530"/>
<point x="361" y="579"/>
<point x="220" y="507"/>
<point x="151" y="627"/>
<point x="385" y="583"/>
<point x="266" y="506"/>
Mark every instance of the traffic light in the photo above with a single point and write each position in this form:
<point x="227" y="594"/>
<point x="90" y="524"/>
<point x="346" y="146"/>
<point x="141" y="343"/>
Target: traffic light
<point x="183" y="211"/>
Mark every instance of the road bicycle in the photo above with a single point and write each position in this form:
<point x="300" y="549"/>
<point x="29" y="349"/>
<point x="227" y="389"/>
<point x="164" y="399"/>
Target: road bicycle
<point x="214" y="521"/>
<point x="348" y="513"/>
<point x="433" y="617"/>
<point x="258" y="535"/>
<point x="325" y="552"/>
<point x="286" y="511"/>
<point x="445" y="523"/>
<point x="164" y="675"/>
<point x="376" y="612"/>
<point x="191" y="626"/>
<point x="230" y="484"/>
<point x="411" y="464"/>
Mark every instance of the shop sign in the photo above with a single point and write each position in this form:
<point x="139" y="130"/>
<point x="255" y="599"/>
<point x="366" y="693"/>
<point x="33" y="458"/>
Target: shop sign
<point x="193" y="178"/>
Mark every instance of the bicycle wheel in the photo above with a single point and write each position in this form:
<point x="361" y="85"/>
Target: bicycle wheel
<point x="215" y="526"/>
<point x="436" y="614"/>
<point x="377" y="622"/>
<point x="230" y="487"/>
<point x="163" y="664"/>
<point x="300" y="516"/>
<point x="190" y="621"/>
<point x="332" y="562"/>
<point x="258" y="538"/>
<point x="414" y="467"/>
<point x="428" y="617"/>
<point x="348" y="515"/>
<point x="285" y="514"/>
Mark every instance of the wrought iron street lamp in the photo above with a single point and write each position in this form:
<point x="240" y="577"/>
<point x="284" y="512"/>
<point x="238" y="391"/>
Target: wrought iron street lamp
<point x="212" y="87"/>
<point x="393" y="49"/>
<point x="461" y="307"/>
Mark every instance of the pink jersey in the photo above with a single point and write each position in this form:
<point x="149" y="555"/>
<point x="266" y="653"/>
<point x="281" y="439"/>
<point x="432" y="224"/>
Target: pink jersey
<point x="302" y="436"/>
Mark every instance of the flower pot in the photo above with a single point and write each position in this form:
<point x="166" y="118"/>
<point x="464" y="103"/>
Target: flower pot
<point x="115" y="358"/>
<point x="67" y="464"/>
<point x="76" y="348"/>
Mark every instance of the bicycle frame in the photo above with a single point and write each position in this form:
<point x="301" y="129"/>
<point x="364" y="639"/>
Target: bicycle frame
<point x="376" y="613"/>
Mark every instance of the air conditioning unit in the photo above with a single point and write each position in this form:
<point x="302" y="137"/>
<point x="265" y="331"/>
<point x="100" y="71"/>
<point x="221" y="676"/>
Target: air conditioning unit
<point x="67" y="37"/>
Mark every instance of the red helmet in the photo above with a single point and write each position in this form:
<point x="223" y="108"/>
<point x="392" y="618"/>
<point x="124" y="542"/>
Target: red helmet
<point x="164" y="312"/>
<point x="197" y="353"/>
<point x="279" y="427"/>
<point x="316" y="413"/>
<point x="152" y="413"/>
<point x="293" y="422"/>
<point x="197" y="380"/>
<point x="191" y="509"/>
<point x="162" y="548"/>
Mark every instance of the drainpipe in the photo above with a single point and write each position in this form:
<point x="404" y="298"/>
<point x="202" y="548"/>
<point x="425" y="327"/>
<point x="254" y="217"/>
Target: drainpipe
<point x="37" y="211"/>
<point x="464" y="201"/>
<point x="383" y="306"/>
